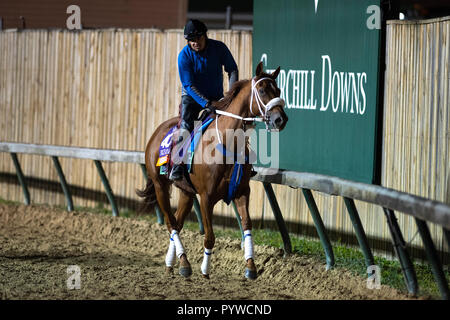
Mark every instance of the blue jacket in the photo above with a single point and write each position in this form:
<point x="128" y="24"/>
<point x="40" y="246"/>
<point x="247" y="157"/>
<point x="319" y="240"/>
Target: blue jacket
<point x="201" y="72"/>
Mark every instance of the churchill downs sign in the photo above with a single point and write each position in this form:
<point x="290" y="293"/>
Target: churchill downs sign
<point x="343" y="90"/>
<point x="328" y="52"/>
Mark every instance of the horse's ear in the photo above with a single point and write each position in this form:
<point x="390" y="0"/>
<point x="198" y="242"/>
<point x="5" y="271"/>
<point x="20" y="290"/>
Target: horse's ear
<point x="259" y="69"/>
<point x="274" y="74"/>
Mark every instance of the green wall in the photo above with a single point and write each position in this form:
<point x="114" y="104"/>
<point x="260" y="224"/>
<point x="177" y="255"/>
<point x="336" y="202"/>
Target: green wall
<point x="329" y="80"/>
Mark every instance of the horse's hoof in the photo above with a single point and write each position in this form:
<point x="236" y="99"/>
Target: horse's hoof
<point x="250" y="274"/>
<point x="169" y="271"/>
<point x="185" y="271"/>
<point x="206" y="276"/>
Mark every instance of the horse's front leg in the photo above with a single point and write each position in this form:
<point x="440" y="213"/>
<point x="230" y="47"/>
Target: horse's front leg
<point x="242" y="206"/>
<point x="206" y="207"/>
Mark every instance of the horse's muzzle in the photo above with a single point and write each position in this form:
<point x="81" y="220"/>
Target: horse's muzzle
<point x="277" y="121"/>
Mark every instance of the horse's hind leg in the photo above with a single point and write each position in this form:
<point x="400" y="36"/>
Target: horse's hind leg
<point x="185" y="203"/>
<point x="176" y="248"/>
<point x="242" y="206"/>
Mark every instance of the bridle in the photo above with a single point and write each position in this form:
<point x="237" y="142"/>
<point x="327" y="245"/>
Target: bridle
<point x="277" y="101"/>
<point x="263" y="108"/>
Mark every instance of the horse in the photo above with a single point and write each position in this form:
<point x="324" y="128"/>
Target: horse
<point x="257" y="96"/>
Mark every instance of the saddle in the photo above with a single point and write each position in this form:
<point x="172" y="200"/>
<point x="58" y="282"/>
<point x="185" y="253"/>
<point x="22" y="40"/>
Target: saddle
<point x="187" y="149"/>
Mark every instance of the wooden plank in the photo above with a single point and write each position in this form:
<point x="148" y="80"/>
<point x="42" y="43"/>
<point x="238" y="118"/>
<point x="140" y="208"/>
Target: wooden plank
<point x="74" y="152"/>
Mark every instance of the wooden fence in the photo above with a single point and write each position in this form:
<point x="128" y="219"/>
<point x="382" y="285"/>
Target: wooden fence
<point x="109" y="89"/>
<point x="416" y="144"/>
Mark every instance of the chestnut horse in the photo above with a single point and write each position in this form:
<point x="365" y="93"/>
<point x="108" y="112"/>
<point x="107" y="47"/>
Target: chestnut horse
<point x="258" y="96"/>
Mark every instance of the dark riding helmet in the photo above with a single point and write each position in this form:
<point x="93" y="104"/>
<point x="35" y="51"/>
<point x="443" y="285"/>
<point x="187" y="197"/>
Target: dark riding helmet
<point x="194" y="29"/>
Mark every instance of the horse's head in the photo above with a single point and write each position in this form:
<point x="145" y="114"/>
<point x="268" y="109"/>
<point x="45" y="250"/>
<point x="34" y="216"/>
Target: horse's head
<point x="265" y="99"/>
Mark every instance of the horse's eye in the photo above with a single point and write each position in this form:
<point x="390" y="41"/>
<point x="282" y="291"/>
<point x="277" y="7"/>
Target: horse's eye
<point x="261" y="90"/>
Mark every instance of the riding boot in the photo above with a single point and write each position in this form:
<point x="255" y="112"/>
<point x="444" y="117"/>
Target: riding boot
<point x="178" y="168"/>
<point x="177" y="172"/>
<point x="189" y="113"/>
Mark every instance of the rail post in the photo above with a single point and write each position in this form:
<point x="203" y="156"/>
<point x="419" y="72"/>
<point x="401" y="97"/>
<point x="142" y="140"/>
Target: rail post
<point x="359" y="230"/>
<point x="159" y="214"/>
<point x="109" y="193"/>
<point x="447" y="236"/>
<point x="21" y="178"/>
<point x="63" y="182"/>
<point x="436" y="266"/>
<point x="320" y="227"/>
<point x="198" y="213"/>
<point x="278" y="217"/>
<point x="409" y="272"/>
<point x="238" y="218"/>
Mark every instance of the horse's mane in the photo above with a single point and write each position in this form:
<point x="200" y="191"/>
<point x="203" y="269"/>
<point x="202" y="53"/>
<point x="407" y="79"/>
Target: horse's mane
<point x="230" y="95"/>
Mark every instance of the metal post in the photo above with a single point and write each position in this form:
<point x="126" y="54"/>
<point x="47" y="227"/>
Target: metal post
<point x="159" y="214"/>
<point x="228" y="18"/>
<point x="198" y="213"/>
<point x="320" y="227"/>
<point x="238" y="217"/>
<point x="359" y="231"/>
<point x="400" y="249"/>
<point x="63" y="182"/>
<point x="22" y="20"/>
<point x="21" y="178"/>
<point x="144" y="171"/>
<point x="447" y="236"/>
<point x="261" y="223"/>
<point x="433" y="258"/>
<point x="108" y="190"/>
<point x="279" y="218"/>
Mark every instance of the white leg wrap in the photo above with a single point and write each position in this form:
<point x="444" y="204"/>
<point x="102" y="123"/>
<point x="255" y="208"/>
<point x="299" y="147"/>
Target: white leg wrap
<point x="178" y="246"/>
<point x="206" y="264"/>
<point x="248" y="245"/>
<point x="170" y="256"/>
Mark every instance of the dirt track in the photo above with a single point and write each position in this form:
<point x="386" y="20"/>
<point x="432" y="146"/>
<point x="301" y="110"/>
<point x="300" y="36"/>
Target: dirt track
<point x="123" y="258"/>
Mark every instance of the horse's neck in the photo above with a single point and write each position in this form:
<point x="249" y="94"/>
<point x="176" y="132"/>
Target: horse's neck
<point x="239" y="106"/>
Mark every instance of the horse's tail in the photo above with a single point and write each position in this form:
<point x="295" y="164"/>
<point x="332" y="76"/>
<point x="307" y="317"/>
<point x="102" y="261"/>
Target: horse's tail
<point x="149" y="195"/>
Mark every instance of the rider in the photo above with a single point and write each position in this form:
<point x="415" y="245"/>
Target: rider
<point x="200" y="68"/>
